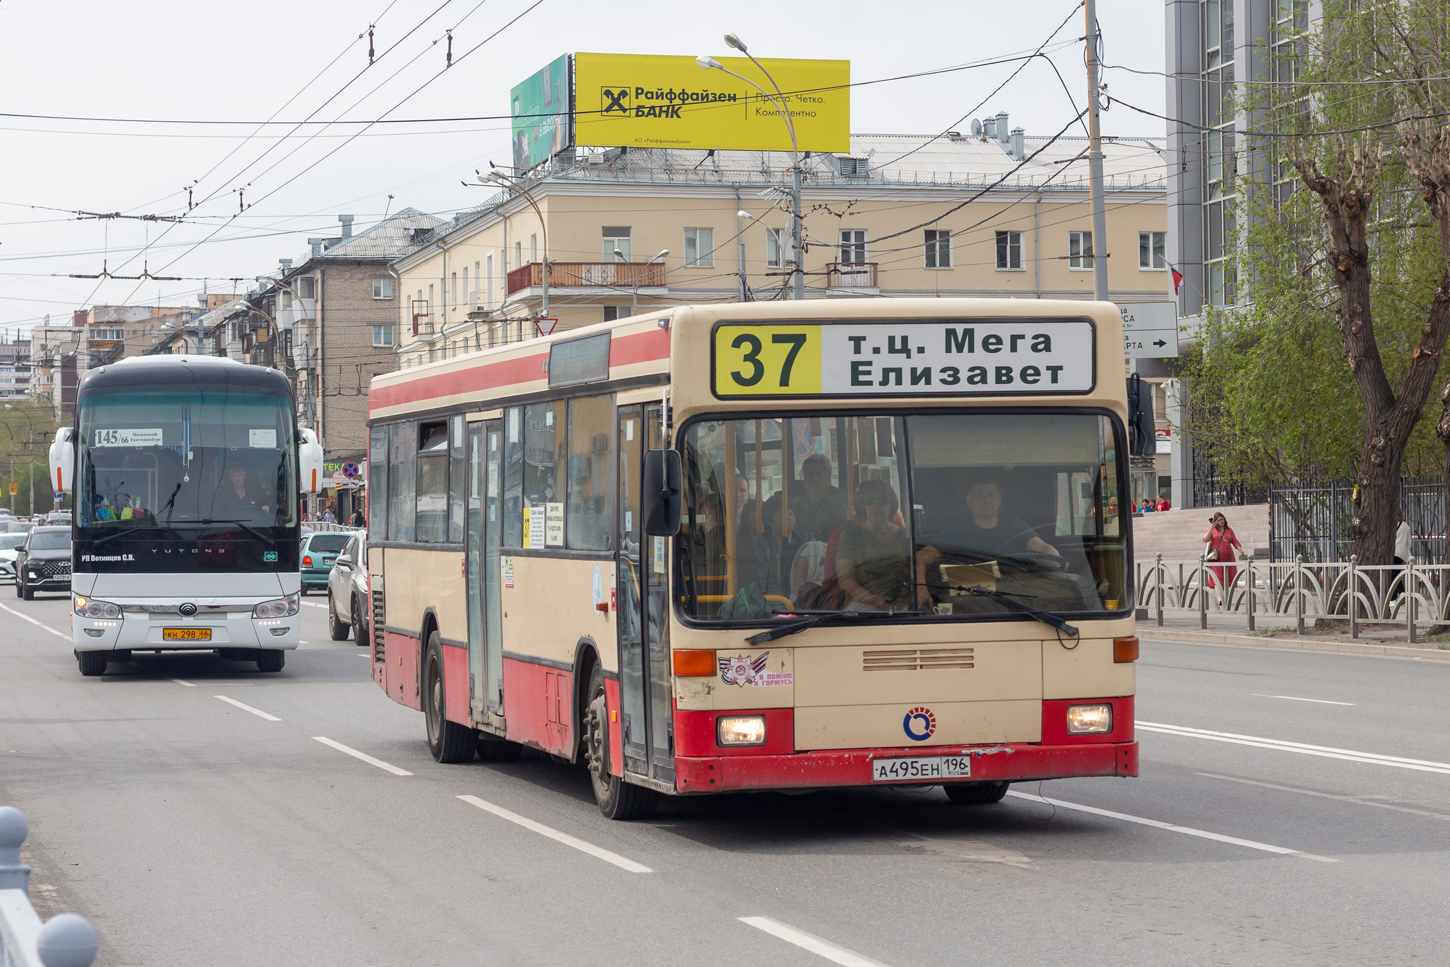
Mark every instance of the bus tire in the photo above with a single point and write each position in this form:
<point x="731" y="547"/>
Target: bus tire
<point x="92" y="663"/>
<point x="271" y="660"/>
<point x="448" y="741"/>
<point x="976" y="793"/>
<point x="360" y="632"/>
<point x="336" y="630"/>
<point x="617" y="799"/>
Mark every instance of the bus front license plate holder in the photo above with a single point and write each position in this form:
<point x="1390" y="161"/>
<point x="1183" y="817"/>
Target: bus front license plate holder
<point x="921" y="767"/>
<point x="186" y="634"/>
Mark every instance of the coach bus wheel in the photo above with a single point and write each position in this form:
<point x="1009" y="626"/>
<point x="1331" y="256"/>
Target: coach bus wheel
<point x="976" y="793"/>
<point x="617" y="799"/>
<point x="448" y="741"/>
<point x="335" y="628"/>
<point x="271" y="660"/>
<point x="92" y="662"/>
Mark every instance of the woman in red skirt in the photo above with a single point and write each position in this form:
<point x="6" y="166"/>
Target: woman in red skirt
<point x="1221" y="542"/>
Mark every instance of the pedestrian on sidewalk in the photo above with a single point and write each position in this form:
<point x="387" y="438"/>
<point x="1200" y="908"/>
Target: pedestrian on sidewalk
<point x="1221" y="542"/>
<point x="1402" y="549"/>
<point x="1163" y="503"/>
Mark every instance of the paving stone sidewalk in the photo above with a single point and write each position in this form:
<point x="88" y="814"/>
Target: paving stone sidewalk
<point x="1278" y="631"/>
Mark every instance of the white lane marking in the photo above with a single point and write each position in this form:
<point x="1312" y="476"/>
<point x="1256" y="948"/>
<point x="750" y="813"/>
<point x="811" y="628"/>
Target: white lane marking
<point x="385" y="766"/>
<point x="1281" y="745"/>
<point x="180" y="682"/>
<point x="595" y="851"/>
<point x="1326" y="795"/>
<point x="1295" y="698"/>
<point x="314" y="604"/>
<point x="1185" y="830"/>
<point x="809" y="941"/>
<point x="247" y="708"/>
<point x="21" y="614"/>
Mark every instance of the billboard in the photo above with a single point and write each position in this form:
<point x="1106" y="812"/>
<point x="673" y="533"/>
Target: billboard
<point x="540" y="111"/>
<point x="648" y="101"/>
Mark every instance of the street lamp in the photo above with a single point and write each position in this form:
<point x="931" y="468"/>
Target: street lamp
<point x="798" y="282"/>
<point x="495" y="176"/>
<point x="634" y="296"/>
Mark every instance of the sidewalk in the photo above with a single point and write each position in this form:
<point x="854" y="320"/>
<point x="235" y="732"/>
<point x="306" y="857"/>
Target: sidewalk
<point x="1277" y="631"/>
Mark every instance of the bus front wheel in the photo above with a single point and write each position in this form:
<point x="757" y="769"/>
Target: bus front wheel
<point x="271" y="660"/>
<point x="617" y="799"/>
<point x="92" y="663"/>
<point x="448" y="741"/>
<point x="976" y="793"/>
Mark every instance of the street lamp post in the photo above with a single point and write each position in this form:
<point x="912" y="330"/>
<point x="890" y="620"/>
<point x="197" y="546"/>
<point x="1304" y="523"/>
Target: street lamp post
<point x="798" y="282"/>
<point x="496" y="176"/>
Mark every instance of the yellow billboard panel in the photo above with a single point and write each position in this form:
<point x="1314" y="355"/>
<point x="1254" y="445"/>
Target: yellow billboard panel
<point x="651" y="101"/>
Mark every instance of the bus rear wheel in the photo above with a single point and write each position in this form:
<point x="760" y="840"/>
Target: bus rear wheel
<point x="976" y="793"/>
<point x="92" y="663"/>
<point x="617" y="799"/>
<point x="448" y="741"/>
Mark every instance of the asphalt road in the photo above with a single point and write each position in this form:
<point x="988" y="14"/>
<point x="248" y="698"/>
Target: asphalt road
<point x="195" y="832"/>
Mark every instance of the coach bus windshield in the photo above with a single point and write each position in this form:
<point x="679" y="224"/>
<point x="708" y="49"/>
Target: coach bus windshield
<point x="932" y="515"/>
<point x="193" y="456"/>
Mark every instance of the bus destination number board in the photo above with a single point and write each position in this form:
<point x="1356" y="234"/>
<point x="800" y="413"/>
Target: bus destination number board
<point x="952" y="358"/>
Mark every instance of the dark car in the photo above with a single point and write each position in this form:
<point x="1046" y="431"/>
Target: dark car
<point x="43" y="563"/>
<point x="319" y="550"/>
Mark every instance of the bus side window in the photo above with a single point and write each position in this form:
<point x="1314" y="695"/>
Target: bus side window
<point x="588" y="518"/>
<point x="513" y="478"/>
<point x="378" y="483"/>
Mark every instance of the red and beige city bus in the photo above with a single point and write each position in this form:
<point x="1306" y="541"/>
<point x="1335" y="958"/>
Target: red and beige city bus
<point x="766" y="546"/>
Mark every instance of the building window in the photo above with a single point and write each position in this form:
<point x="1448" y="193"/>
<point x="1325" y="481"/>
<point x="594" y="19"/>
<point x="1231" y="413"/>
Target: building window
<point x="533" y="248"/>
<point x="382" y="288"/>
<point x="938" y="249"/>
<point x="488" y="286"/>
<point x="1152" y="250"/>
<point x="1079" y="250"/>
<point x="467" y="296"/>
<point x="453" y="285"/>
<point x="853" y="245"/>
<point x="699" y="248"/>
<point x="1009" y="250"/>
<point x="477" y="300"/>
<point x="306" y="286"/>
<point x="616" y="239"/>
<point x="611" y="313"/>
<point x="777" y="247"/>
<point x="518" y="255"/>
<point x="383" y="336"/>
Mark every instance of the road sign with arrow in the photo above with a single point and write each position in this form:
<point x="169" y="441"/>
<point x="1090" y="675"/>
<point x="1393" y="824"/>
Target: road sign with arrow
<point x="1150" y="329"/>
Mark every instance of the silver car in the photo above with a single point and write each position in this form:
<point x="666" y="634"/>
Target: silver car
<point x="347" y="592"/>
<point x="9" y="551"/>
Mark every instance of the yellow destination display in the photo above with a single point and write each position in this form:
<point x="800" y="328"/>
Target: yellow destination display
<point x="1043" y="357"/>
<point x="652" y="101"/>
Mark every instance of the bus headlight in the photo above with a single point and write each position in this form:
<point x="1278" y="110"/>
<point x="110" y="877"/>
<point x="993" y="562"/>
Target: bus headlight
<point x="740" y="730"/>
<point x="277" y="607"/>
<point x="1089" y="719"/>
<point x="91" y="608"/>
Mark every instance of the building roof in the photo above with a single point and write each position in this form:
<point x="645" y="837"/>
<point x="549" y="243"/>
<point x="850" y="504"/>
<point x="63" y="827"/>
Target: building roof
<point x="387" y="239"/>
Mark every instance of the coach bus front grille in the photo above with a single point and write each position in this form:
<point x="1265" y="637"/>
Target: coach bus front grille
<point x="378" y="612"/>
<point x="917" y="659"/>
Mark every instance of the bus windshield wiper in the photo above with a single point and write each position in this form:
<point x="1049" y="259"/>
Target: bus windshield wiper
<point x="246" y="527"/>
<point x="123" y="532"/>
<point x="820" y="618"/>
<point x="1010" y="600"/>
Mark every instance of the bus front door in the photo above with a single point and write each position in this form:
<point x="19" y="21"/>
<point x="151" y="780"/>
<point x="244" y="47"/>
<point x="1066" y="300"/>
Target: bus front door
<point x="485" y="523"/>
<point x="644" y="677"/>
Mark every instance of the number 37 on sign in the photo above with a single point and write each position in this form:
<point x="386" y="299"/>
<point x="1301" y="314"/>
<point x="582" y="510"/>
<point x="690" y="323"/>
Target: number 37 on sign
<point x="956" y="357"/>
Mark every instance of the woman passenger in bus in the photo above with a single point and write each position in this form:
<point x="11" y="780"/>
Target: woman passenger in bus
<point x="775" y="547"/>
<point x="873" y="560"/>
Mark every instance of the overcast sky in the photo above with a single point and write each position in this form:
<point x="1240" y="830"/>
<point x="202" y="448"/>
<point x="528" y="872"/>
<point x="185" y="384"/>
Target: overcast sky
<point x="243" y="62"/>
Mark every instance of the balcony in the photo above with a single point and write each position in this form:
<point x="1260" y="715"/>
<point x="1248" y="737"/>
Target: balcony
<point x="613" y="276"/>
<point x="851" y="277"/>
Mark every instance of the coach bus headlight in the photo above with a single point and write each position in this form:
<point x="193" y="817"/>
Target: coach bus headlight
<point x="277" y="608"/>
<point x="740" y="730"/>
<point x="1089" y="719"/>
<point x="91" y="608"/>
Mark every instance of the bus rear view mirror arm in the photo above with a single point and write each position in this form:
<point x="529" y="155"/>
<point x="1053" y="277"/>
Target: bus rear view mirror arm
<point x="661" y="492"/>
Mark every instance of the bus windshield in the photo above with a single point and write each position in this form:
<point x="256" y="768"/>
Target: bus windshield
<point x="936" y="515"/>
<point x="188" y="456"/>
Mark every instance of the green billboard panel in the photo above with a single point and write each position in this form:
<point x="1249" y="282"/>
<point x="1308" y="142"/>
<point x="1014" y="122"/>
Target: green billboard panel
<point x="540" y="111"/>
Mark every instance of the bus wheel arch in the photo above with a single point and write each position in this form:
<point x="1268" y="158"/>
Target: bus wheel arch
<point x="447" y="740"/>
<point x="586" y="656"/>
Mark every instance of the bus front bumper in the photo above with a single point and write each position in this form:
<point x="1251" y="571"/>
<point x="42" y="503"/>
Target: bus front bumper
<point x="1015" y="762"/>
<point x="171" y="632"/>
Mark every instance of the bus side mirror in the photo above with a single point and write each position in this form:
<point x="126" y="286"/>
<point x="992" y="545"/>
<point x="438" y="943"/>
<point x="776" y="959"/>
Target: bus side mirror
<point x="63" y="460"/>
<point x="662" y="491"/>
<point x="309" y="462"/>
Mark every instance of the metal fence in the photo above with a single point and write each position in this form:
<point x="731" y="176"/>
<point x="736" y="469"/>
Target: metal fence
<point x="66" y="940"/>
<point x="1313" y="521"/>
<point x="1414" y="597"/>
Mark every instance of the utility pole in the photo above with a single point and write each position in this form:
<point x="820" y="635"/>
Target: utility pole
<point x="1095" y="158"/>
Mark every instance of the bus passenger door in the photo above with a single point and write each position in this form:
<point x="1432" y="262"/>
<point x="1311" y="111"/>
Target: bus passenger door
<point x="485" y="657"/>
<point x="656" y="632"/>
<point x="634" y="723"/>
<point x="492" y="574"/>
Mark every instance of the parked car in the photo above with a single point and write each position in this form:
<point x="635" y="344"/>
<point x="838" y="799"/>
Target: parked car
<point x="319" y="550"/>
<point x="44" y="562"/>
<point x="9" y="551"/>
<point x="347" y="592"/>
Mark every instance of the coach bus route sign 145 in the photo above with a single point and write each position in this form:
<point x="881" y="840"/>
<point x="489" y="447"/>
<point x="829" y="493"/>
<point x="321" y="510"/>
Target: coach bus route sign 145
<point x="950" y="358"/>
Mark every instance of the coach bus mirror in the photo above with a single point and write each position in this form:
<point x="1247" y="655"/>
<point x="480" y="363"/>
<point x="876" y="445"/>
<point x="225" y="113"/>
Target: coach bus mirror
<point x="661" y="492"/>
<point x="62" y="460"/>
<point x="309" y="462"/>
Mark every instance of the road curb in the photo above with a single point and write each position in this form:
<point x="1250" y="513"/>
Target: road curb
<point x="1152" y="633"/>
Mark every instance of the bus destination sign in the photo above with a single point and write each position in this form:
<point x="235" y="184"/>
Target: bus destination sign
<point x="951" y="358"/>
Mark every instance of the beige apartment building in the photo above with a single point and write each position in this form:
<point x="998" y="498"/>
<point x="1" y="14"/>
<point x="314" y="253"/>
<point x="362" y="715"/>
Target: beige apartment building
<point x="1001" y="215"/>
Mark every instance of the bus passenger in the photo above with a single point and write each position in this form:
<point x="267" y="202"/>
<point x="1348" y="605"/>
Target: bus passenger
<point x="820" y="507"/>
<point x="775" y="547"/>
<point x="873" y="560"/>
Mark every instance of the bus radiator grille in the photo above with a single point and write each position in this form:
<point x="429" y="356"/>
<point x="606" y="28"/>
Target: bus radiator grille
<point x="917" y="659"/>
<point x="377" y="625"/>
